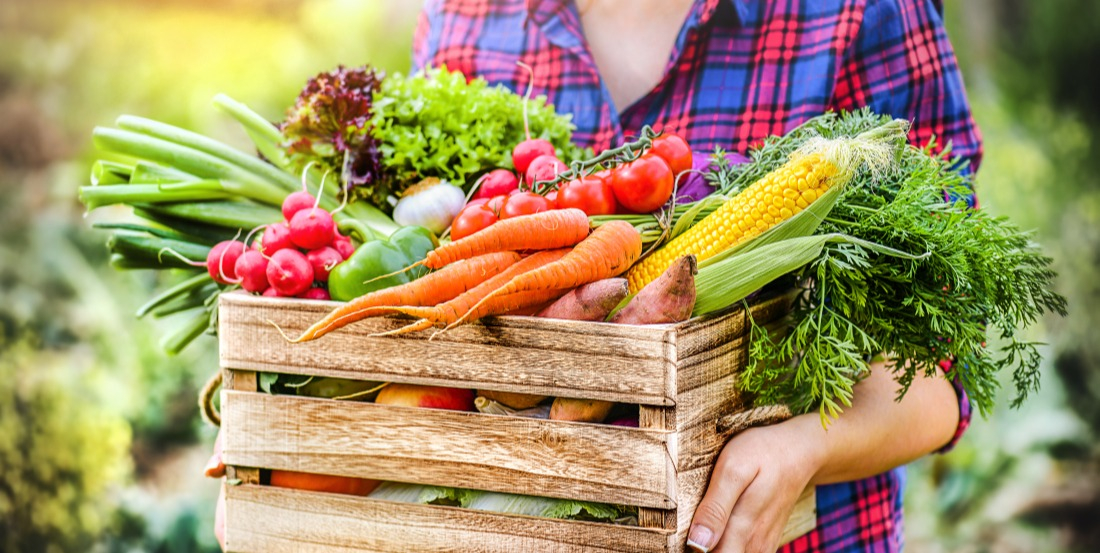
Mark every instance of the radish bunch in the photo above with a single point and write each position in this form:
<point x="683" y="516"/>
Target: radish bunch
<point x="292" y="258"/>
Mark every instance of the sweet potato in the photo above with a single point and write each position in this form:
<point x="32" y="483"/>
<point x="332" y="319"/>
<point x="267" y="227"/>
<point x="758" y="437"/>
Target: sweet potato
<point x="591" y="302"/>
<point x="669" y="299"/>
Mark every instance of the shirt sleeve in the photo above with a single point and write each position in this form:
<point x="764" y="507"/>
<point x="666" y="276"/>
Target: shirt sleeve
<point x="901" y="63"/>
<point x="426" y="36"/>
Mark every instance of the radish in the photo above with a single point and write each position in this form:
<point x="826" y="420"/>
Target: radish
<point x="315" y="294"/>
<point x="343" y="245"/>
<point x="496" y="183"/>
<point x="251" y="269"/>
<point x="276" y="237"/>
<point x="526" y="152"/>
<point x="296" y="202"/>
<point x="311" y="229"/>
<point x="543" y="168"/>
<point x="323" y="260"/>
<point x="272" y="293"/>
<point x="289" y="272"/>
<point x="221" y="260"/>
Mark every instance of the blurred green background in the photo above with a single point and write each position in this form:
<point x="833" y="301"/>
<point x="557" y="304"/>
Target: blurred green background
<point x="101" y="444"/>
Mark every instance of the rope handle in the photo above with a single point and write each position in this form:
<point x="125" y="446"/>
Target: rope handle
<point x="207" y="394"/>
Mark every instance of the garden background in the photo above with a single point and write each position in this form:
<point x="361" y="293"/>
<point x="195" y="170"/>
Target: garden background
<point x="101" y="444"/>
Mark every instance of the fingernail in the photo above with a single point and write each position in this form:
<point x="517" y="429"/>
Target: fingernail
<point x="699" y="539"/>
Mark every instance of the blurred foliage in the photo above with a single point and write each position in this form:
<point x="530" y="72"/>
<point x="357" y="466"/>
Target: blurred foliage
<point x="101" y="445"/>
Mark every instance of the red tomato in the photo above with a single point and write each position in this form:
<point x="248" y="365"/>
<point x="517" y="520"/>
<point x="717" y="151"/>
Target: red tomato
<point x="591" y="195"/>
<point x="552" y="197"/>
<point x="525" y="203"/>
<point x="643" y="185"/>
<point x="496" y="203"/>
<point x="674" y="150"/>
<point x="472" y="219"/>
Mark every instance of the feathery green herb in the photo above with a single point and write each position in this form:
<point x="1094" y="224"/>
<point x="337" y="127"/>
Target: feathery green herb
<point x="968" y="273"/>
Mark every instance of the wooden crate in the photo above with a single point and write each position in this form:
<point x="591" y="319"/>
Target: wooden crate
<point x="681" y="376"/>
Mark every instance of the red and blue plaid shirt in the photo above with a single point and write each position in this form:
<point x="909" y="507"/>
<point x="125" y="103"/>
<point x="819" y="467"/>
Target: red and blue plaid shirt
<point x="740" y="70"/>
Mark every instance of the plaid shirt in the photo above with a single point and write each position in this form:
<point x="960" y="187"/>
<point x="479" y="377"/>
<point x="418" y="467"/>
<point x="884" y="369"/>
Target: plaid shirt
<point x="740" y="70"/>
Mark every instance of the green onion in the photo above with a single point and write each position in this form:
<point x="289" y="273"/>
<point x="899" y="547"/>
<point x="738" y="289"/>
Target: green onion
<point x="150" y="173"/>
<point x="189" y="160"/>
<point x="244" y="215"/>
<point x="110" y="172"/>
<point x="181" y="289"/>
<point x="198" y="142"/>
<point x="98" y="196"/>
<point x="267" y="138"/>
<point x="153" y="249"/>
<point x="186" y="333"/>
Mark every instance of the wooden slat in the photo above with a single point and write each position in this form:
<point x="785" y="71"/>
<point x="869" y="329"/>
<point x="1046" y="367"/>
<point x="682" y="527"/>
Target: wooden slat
<point x="555" y="358"/>
<point x="428" y="446"/>
<point x="704" y="333"/>
<point x="245" y="381"/>
<point x="273" y="520"/>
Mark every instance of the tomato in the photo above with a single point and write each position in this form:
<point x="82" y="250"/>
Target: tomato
<point x="525" y="203"/>
<point x="552" y="197"/>
<point x="472" y="219"/>
<point x="674" y="150"/>
<point x="591" y="195"/>
<point x="322" y="482"/>
<point x="643" y="185"/>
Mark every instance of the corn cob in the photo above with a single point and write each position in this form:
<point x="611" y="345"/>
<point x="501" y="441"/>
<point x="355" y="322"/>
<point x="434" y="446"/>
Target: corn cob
<point x="774" y="198"/>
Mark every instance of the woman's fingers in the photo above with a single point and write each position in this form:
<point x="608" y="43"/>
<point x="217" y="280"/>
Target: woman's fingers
<point x="215" y="468"/>
<point x="732" y="474"/>
<point x="755" y="524"/>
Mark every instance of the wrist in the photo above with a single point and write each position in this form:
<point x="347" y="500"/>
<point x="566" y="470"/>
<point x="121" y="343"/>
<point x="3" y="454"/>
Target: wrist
<point x="812" y="452"/>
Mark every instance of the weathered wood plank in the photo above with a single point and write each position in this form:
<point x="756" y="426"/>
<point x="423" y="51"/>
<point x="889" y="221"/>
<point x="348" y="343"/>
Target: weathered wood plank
<point x="428" y="446"/>
<point x="509" y="355"/>
<point x="245" y="381"/>
<point x="704" y="333"/>
<point x="272" y="520"/>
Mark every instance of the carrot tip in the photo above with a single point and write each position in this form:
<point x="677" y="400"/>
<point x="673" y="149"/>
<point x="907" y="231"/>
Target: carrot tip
<point x="283" y="334"/>
<point x="422" y="324"/>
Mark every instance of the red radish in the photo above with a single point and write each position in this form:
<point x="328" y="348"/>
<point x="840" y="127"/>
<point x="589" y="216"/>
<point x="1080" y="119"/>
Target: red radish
<point x="296" y="202"/>
<point x="276" y="237"/>
<point x="272" y="293"/>
<point x="251" y="269"/>
<point x="433" y="397"/>
<point x="343" y="245"/>
<point x="543" y="168"/>
<point x="315" y="294"/>
<point x="312" y="228"/>
<point x="289" y="272"/>
<point x="222" y="259"/>
<point x="323" y="260"/>
<point x="497" y="182"/>
<point x="528" y="151"/>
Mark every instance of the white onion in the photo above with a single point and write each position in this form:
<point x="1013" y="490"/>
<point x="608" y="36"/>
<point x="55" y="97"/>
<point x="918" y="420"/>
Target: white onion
<point x="430" y="203"/>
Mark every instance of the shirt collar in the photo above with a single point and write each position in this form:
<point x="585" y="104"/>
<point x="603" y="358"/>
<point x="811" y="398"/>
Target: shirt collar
<point x="541" y="11"/>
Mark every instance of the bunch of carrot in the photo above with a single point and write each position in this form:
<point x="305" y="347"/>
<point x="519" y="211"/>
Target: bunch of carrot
<point x="519" y="263"/>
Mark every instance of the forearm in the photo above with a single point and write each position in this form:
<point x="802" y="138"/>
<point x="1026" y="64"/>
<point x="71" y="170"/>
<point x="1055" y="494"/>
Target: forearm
<point x="878" y="433"/>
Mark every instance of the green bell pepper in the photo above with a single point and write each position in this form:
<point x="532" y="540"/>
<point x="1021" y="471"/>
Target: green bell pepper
<point x="355" y="276"/>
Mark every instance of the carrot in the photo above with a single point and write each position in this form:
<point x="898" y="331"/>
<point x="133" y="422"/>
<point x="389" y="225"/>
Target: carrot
<point x="440" y="286"/>
<point x="451" y="310"/>
<point x="546" y="230"/>
<point x="608" y="252"/>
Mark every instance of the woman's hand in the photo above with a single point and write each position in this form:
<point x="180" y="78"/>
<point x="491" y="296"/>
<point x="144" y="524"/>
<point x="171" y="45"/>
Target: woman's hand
<point x="761" y="472"/>
<point x="758" y="478"/>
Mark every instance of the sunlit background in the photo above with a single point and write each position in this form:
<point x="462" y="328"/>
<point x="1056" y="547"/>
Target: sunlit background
<point x="100" y="437"/>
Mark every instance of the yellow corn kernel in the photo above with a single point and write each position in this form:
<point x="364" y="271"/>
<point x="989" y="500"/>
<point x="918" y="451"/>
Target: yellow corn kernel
<point x="769" y="201"/>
